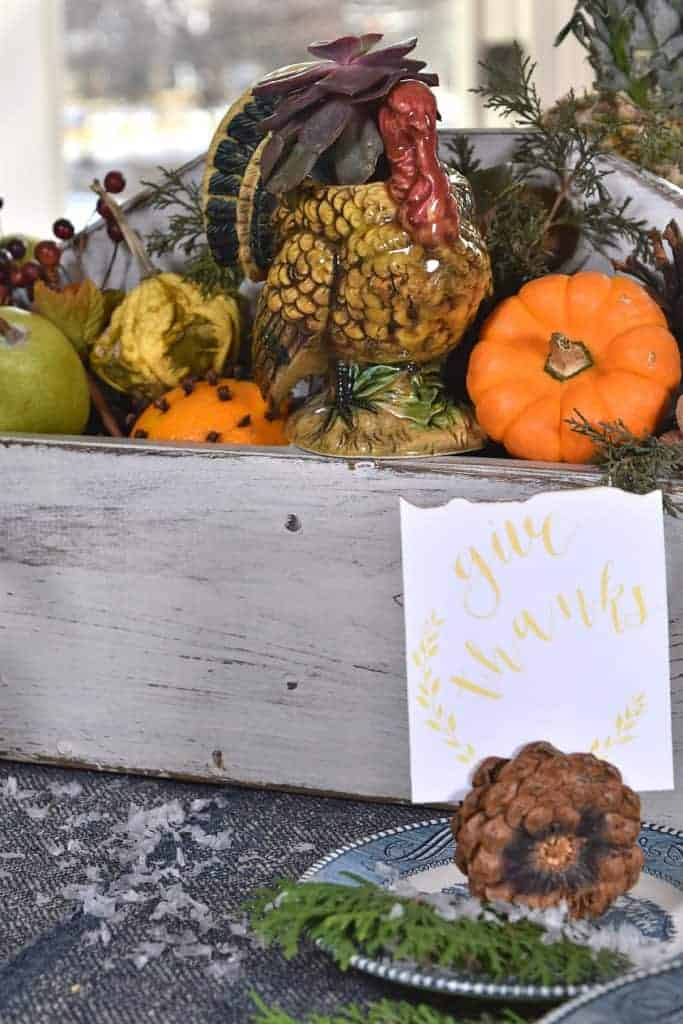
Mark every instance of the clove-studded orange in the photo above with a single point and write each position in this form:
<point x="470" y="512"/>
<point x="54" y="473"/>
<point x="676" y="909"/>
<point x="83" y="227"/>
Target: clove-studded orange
<point x="588" y="344"/>
<point x="219" y="410"/>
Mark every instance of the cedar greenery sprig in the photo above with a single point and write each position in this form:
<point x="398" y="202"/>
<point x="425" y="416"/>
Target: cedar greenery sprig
<point x="387" y="1011"/>
<point x="562" y="152"/>
<point x="635" y="464"/>
<point x="348" y="919"/>
<point x="185" y="232"/>
<point x="566" y="150"/>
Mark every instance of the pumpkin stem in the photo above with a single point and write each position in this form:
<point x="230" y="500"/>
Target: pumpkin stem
<point x="10" y="334"/>
<point x="566" y="358"/>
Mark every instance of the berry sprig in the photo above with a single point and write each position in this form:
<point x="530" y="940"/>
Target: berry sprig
<point x="20" y="270"/>
<point x="114" y="184"/>
<point x="118" y="228"/>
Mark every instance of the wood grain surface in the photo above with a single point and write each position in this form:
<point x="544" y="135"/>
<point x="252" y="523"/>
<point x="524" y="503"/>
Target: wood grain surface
<point x="236" y="615"/>
<point x="229" y="615"/>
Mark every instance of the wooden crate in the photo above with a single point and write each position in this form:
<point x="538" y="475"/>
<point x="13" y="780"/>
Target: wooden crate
<point x="234" y="614"/>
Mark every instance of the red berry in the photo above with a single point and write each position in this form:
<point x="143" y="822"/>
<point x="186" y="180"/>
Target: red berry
<point x="16" y="248"/>
<point x="48" y="253"/>
<point x="114" y="232"/>
<point x="63" y="229"/>
<point x="4" y="294"/>
<point x="114" y="182"/>
<point x="16" y="277"/>
<point x="30" y="272"/>
<point x="104" y="209"/>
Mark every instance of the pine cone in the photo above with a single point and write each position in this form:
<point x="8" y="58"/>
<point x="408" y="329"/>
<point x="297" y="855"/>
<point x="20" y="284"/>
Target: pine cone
<point x="545" y="827"/>
<point x="662" y="274"/>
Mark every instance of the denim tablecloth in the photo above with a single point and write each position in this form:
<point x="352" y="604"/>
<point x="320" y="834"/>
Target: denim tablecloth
<point x="121" y="898"/>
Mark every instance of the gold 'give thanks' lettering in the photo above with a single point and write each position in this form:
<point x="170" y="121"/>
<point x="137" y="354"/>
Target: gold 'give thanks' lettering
<point x="620" y="606"/>
<point x="478" y="570"/>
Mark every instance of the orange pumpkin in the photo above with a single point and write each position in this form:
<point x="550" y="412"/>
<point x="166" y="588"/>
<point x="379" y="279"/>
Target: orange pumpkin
<point x="225" y="411"/>
<point x="588" y="343"/>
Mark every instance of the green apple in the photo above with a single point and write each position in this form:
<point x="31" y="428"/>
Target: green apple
<point x="43" y="386"/>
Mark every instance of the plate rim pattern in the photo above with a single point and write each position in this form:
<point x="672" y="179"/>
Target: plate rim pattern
<point x="406" y="974"/>
<point x="560" y="1013"/>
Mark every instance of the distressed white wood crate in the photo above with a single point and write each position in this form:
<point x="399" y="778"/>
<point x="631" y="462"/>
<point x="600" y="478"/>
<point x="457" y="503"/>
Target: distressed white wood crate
<point x="158" y="613"/>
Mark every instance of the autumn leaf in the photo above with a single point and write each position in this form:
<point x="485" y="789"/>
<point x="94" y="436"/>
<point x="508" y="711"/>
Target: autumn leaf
<point x="78" y="310"/>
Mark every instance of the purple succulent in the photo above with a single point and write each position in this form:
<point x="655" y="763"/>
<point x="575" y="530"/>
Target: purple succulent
<point x="328" y="108"/>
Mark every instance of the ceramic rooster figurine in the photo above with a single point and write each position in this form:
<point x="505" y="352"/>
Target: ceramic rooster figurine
<point x="324" y="180"/>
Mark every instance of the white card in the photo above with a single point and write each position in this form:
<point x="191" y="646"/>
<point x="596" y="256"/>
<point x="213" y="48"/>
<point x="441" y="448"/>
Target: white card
<point x="537" y="620"/>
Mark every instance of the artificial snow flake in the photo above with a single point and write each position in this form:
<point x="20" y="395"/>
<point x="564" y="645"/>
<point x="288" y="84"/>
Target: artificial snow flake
<point x="147" y="857"/>
<point x="36" y="813"/>
<point x="70" y="789"/>
<point x="225" y="970"/>
<point x="10" y="787"/>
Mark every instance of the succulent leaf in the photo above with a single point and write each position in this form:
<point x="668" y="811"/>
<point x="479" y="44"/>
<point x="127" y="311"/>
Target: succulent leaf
<point x="348" y="73"/>
<point x="288" y="80"/>
<point x="357" y="150"/>
<point x="272" y="152"/>
<point x="352" y="79"/>
<point x="318" y="134"/>
<point x="389" y="54"/>
<point x="345" y="49"/>
<point x="326" y="125"/>
<point x="291" y="106"/>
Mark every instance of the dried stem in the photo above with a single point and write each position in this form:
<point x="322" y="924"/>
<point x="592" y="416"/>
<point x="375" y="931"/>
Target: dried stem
<point x="131" y="238"/>
<point x="100" y="403"/>
<point x="12" y="335"/>
<point x="563" y="195"/>
<point x="110" y="267"/>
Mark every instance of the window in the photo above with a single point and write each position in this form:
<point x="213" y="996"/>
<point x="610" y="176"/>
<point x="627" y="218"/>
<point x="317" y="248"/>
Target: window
<point x="133" y="84"/>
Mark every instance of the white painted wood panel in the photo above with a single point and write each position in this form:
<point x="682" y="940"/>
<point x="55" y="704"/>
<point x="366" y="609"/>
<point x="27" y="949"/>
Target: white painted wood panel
<point x="157" y="615"/>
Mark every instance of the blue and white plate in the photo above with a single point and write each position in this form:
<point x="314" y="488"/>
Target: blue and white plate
<point x="423" y="853"/>
<point x="644" y="997"/>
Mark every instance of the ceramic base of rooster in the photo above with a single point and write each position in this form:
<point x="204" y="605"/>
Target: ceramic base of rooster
<point x="382" y="411"/>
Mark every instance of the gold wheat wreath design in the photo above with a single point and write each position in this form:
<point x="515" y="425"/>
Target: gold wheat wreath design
<point x="442" y="720"/>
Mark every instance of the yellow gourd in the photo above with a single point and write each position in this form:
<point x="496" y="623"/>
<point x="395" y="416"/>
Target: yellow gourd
<point x="165" y="330"/>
